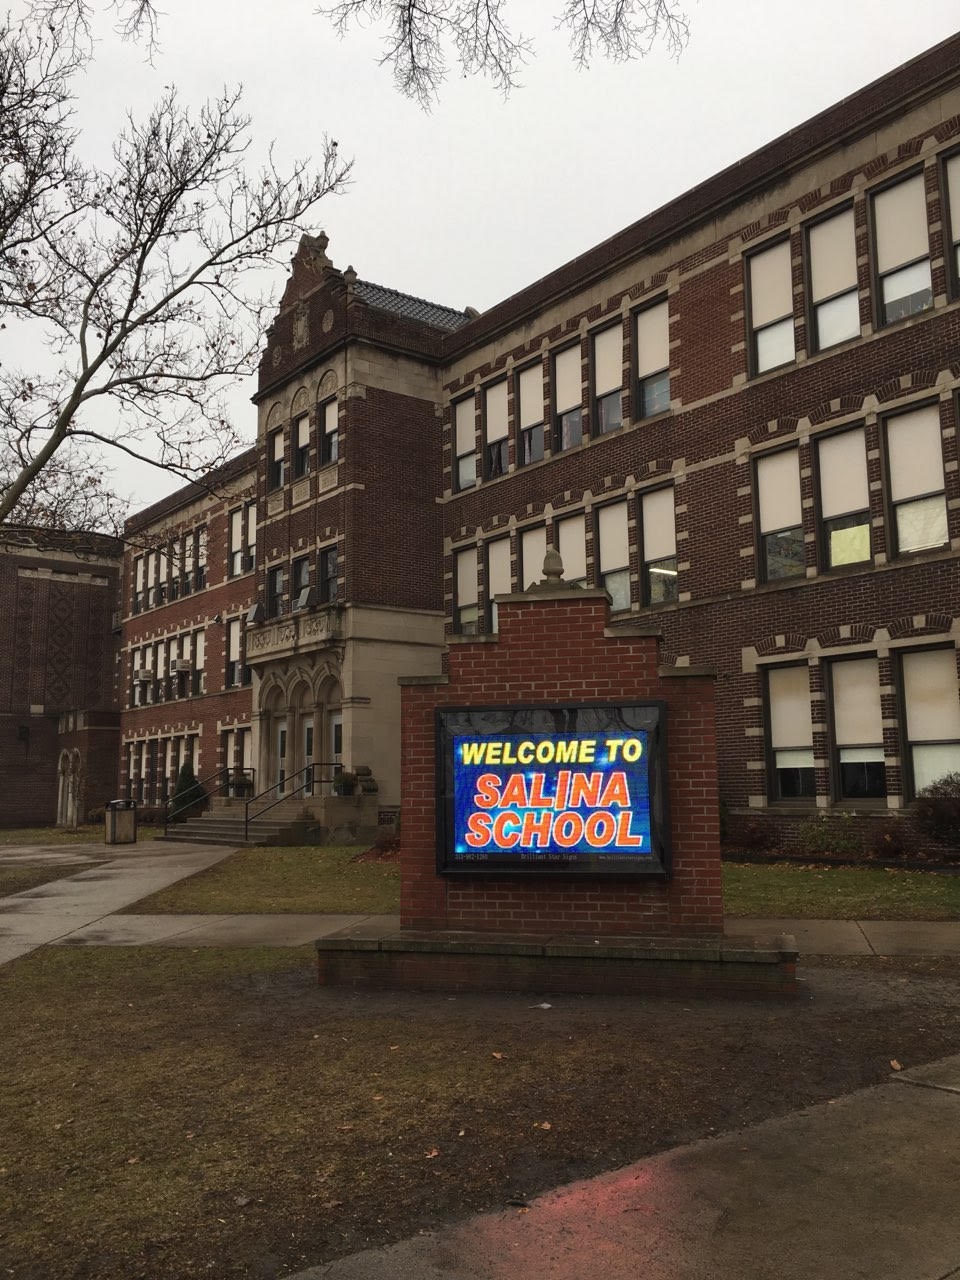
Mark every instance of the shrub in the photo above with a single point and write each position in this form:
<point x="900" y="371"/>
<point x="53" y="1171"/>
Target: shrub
<point x="189" y="796"/>
<point x="890" y="838"/>
<point x="937" y="810"/>
<point x="830" y="833"/>
<point x="344" y="783"/>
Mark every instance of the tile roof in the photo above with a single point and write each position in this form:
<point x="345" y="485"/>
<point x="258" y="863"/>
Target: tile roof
<point x="404" y="304"/>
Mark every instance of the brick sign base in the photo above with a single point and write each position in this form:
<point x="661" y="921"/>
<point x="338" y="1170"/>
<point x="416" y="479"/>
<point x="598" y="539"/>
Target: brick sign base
<point x="530" y="933"/>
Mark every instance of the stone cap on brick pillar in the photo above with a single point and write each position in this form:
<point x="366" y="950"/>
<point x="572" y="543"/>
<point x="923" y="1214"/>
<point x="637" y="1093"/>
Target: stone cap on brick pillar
<point x="552" y="586"/>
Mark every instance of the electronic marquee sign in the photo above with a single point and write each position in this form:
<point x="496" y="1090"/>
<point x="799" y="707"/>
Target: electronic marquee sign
<point x="567" y="790"/>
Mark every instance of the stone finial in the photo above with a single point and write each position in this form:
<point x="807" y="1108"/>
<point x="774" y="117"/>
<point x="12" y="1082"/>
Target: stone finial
<point x="349" y="279"/>
<point x="552" y="579"/>
<point x="316" y="247"/>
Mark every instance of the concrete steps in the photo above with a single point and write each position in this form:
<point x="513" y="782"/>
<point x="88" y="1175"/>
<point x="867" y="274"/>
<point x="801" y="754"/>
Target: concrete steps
<point x="221" y="827"/>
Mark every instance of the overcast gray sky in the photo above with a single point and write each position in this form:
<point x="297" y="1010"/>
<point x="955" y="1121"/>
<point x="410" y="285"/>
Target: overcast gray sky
<point x="472" y="202"/>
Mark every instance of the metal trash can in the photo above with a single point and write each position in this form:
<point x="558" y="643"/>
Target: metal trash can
<point x="120" y="820"/>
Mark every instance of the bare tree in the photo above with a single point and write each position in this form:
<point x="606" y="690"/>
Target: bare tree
<point x="142" y="285"/>
<point x="422" y="36"/>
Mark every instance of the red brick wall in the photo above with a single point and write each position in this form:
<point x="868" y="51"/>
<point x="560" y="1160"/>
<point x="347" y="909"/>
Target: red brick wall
<point x="556" y="651"/>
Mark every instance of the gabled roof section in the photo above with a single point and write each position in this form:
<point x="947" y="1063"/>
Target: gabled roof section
<point x="405" y="304"/>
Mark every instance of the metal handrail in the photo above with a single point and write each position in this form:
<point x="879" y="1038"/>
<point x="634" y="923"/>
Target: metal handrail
<point x="288" y="792"/>
<point x="225" y="776"/>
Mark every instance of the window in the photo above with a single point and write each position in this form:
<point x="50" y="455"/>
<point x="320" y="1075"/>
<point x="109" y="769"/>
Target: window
<point x="236" y="542"/>
<point x="466" y="613"/>
<point x="465" y="437"/>
<point x="186" y="563"/>
<point x="915" y="466"/>
<point x="139" y="599"/>
<point x="844" y="499"/>
<point x="199" y="658"/>
<point x="173" y="682"/>
<point x="330" y="439"/>
<point x="200" y="570"/>
<point x="572" y="545"/>
<point x="162" y="570"/>
<point x="530" y="396"/>
<point x="176" y="569"/>
<point x="160" y="666"/>
<point x="771" y="307"/>
<point x="608" y="379"/>
<point x="275" y="454"/>
<point x="832" y="250"/>
<point x="653" y="360"/>
<point x="952" y="179"/>
<point x="151" y="579"/>
<point x="933" y="714"/>
<point x="496" y="449"/>
<point x="903" y="250"/>
<point x="233" y="673"/>
<point x="857" y="730"/>
<point x="328" y="575"/>
<point x="567" y="399"/>
<point x="301" y="577"/>
<point x="498" y="578"/>
<point x="791" y="734"/>
<point x="301" y="455"/>
<point x="614" y="553"/>
<point x="660" y="583"/>
<point x="251" y="535"/>
<point x="275" y="592"/>
<point x="186" y="678"/>
<point x="781" y="519"/>
<point x="533" y="548"/>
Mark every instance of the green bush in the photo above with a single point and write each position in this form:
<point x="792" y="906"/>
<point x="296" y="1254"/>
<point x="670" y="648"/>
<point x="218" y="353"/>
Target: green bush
<point x="189" y="797"/>
<point x="830" y="833"/>
<point x="937" y="810"/>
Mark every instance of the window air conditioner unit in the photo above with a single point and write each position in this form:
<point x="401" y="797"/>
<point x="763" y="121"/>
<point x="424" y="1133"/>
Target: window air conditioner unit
<point x="306" y="599"/>
<point x="179" y="666"/>
<point x="141" y="673"/>
<point x="254" y="614"/>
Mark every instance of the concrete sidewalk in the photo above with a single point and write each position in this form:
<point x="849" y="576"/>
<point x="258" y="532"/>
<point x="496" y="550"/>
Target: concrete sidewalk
<point x="122" y="875"/>
<point x="864" y="1188"/>
<point x="855" y="937"/>
<point x="282" y="929"/>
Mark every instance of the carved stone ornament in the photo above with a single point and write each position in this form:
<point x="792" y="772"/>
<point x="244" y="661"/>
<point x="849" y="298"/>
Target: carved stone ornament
<point x="301" y="328"/>
<point x="327" y="322"/>
<point x="328" y="383"/>
<point x="277" y="355"/>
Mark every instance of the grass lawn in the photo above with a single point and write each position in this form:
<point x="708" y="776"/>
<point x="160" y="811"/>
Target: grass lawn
<point x="16" y="879"/>
<point x="171" y="1113"/>
<point x="840" y="893"/>
<point x="301" y="878"/>
<point x="92" y="834"/>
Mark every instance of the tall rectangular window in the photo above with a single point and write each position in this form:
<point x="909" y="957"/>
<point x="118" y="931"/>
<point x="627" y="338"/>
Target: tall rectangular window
<point x="771" y="307"/>
<point x="952" y="221"/>
<point x="139" y="596"/>
<point x="857" y="729"/>
<point x="330" y="438"/>
<point x="915" y="458"/>
<point x="199" y="661"/>
<point x="781" y="518"/>
<point x="791" y="733"/>
<point x="659" y="555"/>
<point x="173" y="656"/>
<point x="200" y="566"/>
<point x="301" y="577"/>
<point x="572" y="545"/>
<point x="533" y="548"/>
<point x="187" y="557"/>
<point x="844" y="498"/>
<point x="903" y="249"/>
<point x="301" y="453"/>
<point x="466" y="611"/>
<point x="530" y="417"/>
<point x="653" y="360"/>
<point x="498" y="577"/>
<point x="236" y="542"/>
<point x="151" y="596"/>
<point x="614" y="557"/>
<point x="276" y="475"/>
<point x="608" y="379"/>
<point x="160" y="664"/>
<point x="176" y="569"/>
<point x="328" y="575"/>
<point x="567" y="399"/>
<point x="465" y="444"/>
<point x="276" y="591"/>
<point x="496" y="430"/>
<point x="832" y="248"/>
<point x="233" y="653"/>
<point x="185" y="678"/>
<point x="163" y="568"/>
<point x="251" y="522"/>
<point x="932" y="705"/>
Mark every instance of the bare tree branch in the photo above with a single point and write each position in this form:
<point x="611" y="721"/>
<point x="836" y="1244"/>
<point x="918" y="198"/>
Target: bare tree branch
<point x="421" y="36"/>
<point x="141" y="284"/>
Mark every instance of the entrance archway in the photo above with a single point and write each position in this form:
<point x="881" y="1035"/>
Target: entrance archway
<point x="298" y="719"/>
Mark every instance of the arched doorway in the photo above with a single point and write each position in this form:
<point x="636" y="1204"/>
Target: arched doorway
<point x="299" y="724"/>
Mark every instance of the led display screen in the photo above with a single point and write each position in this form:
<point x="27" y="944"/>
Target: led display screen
<point x="562" y="789"/>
